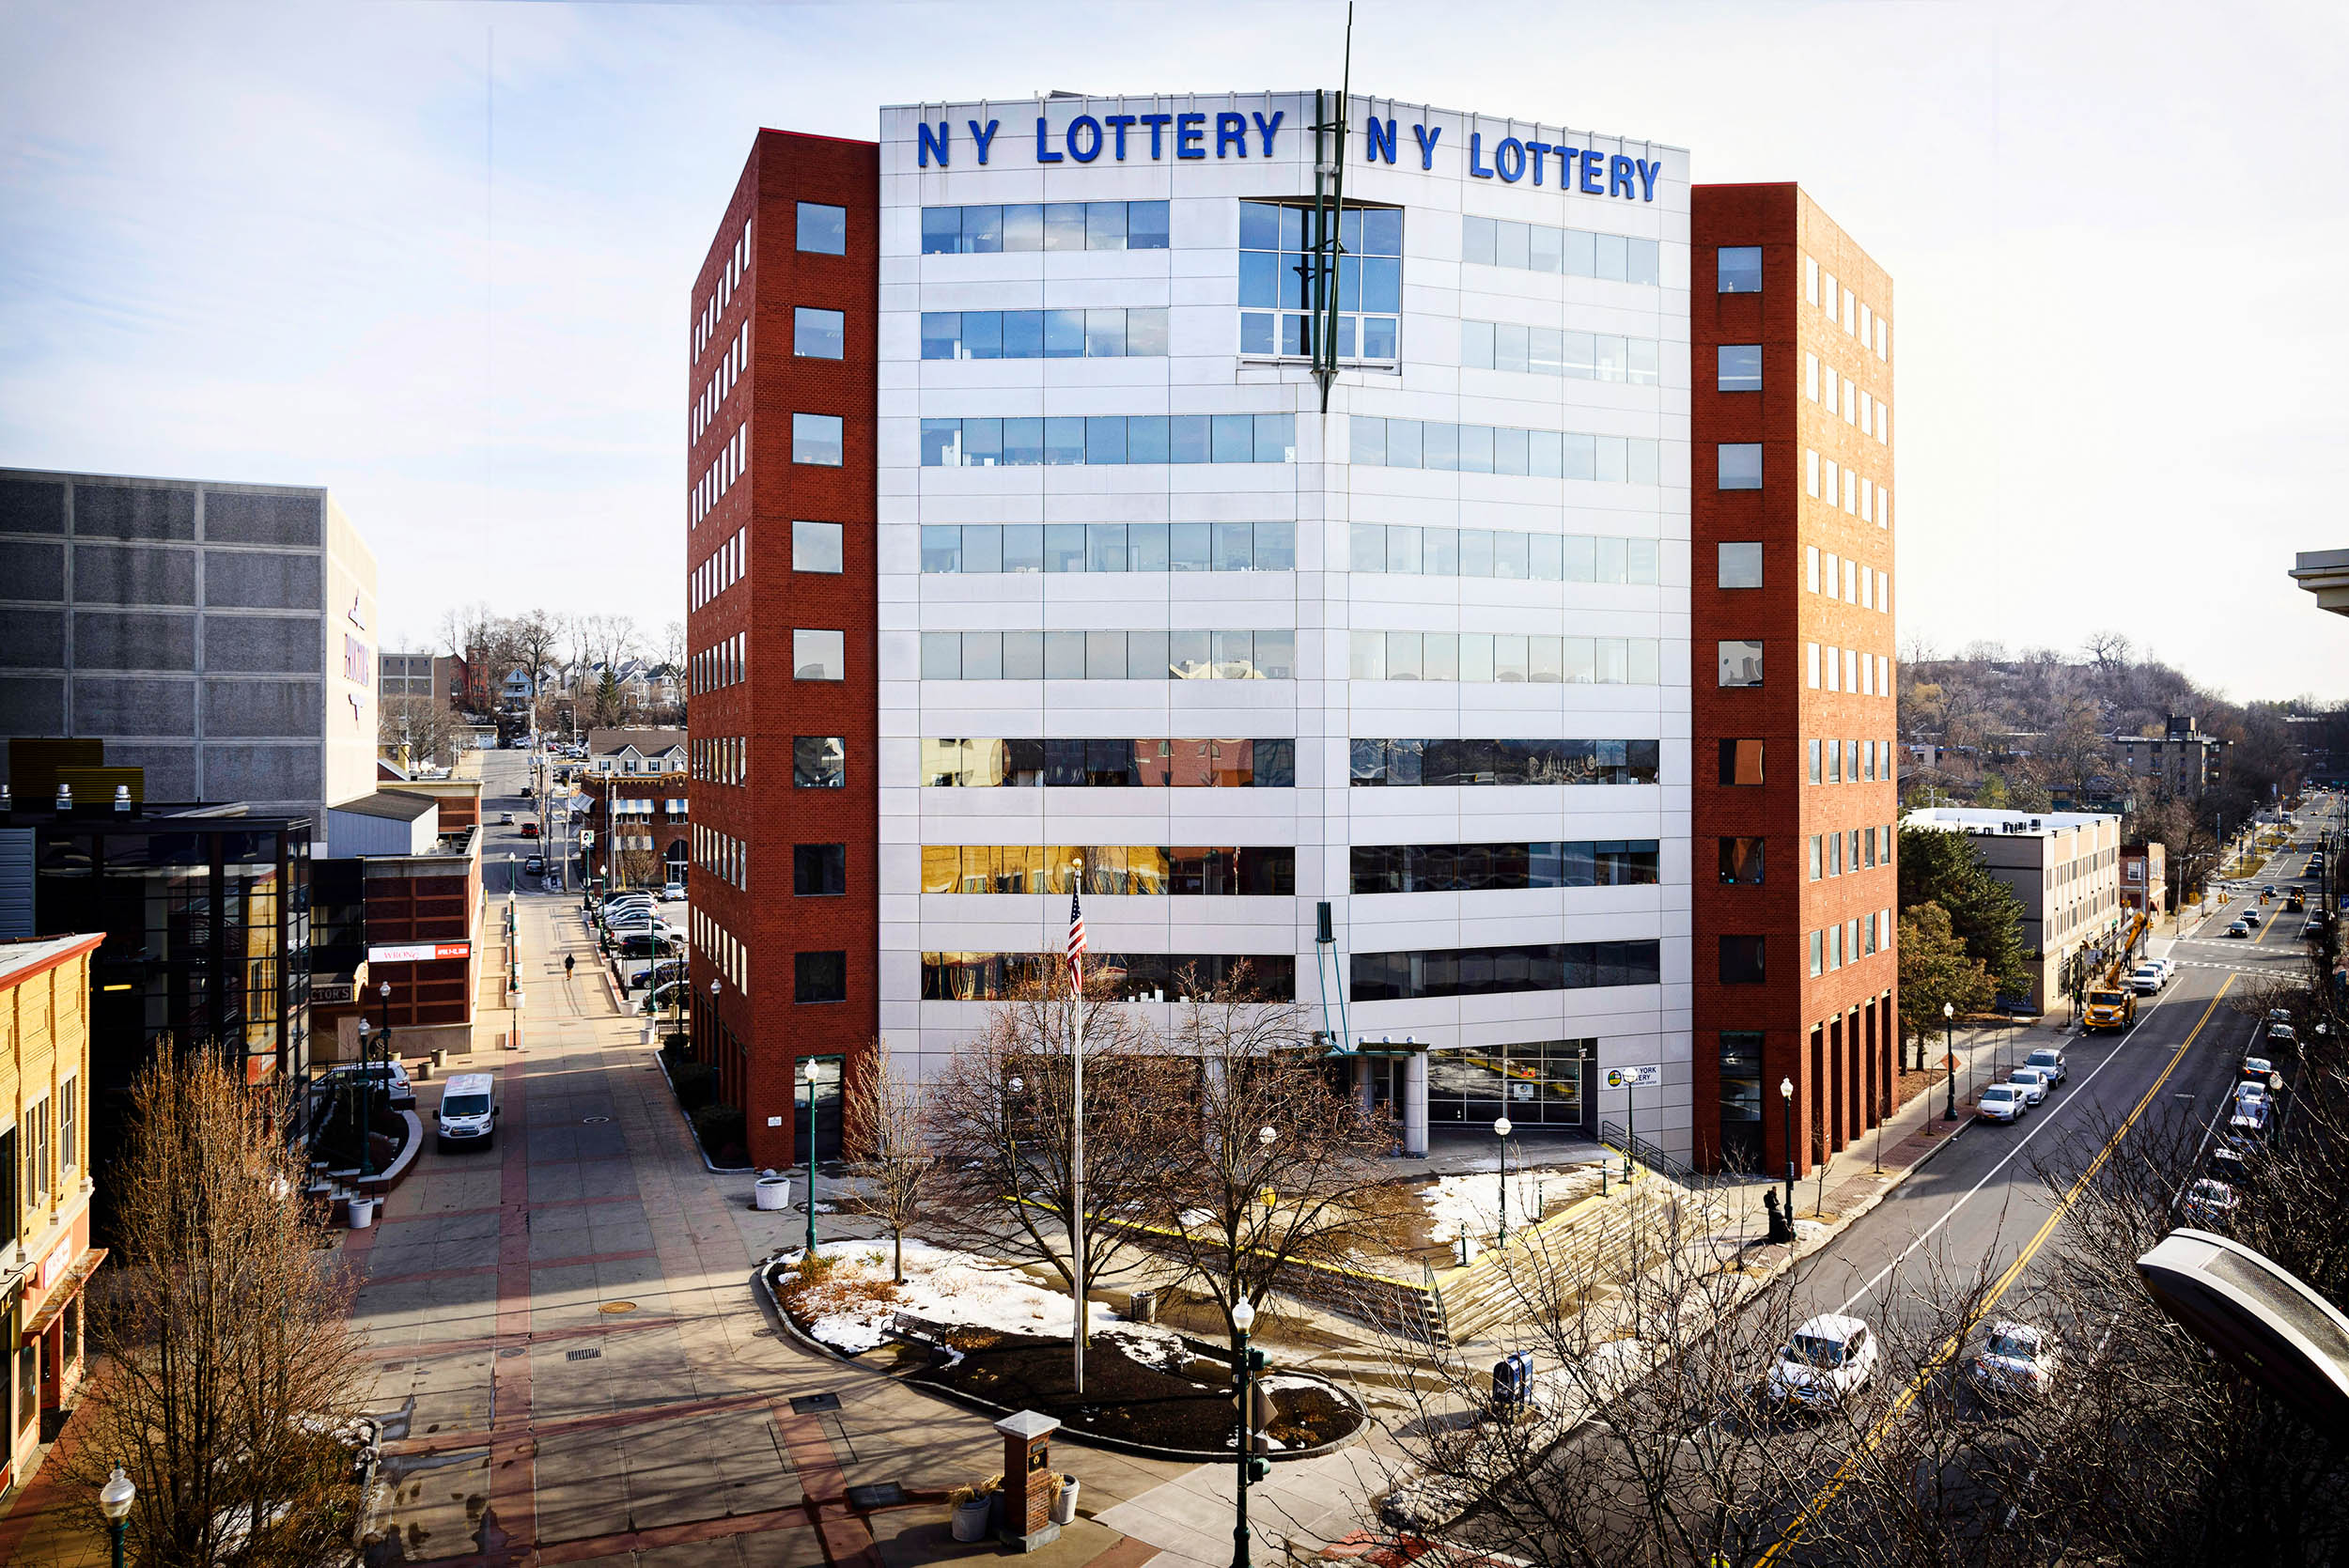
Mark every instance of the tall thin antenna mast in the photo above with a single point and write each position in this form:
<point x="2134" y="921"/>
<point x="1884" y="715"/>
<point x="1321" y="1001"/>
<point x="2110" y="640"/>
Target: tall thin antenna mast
<point x="1329" y="219"/>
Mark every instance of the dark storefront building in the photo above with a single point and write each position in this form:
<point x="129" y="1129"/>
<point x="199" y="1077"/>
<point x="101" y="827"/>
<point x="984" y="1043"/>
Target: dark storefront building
<point x="206" y="912"/>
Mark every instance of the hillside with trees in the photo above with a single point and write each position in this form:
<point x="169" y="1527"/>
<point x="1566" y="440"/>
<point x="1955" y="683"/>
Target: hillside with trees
<point x="2028" y="730"/>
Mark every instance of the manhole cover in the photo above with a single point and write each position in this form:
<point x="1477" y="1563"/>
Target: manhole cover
<point x="809" y="1404"/>
<point x="510" y="1352"/>
<point x="591" y="1121"/>
<point x="615" y="1308"/>
<point x="880" y="1494"/>
<point x="592" y="1353"/>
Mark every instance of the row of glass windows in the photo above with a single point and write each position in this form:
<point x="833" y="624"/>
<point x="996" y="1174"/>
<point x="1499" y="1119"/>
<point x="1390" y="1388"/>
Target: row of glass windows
<point x="1277" y="281"/>
<point x="1575" y="252"/>
<point x="1110" y="439"/>
<point x="1108" y="655"/>
<point x="1505" y="656"/>
<point x="1503" y="867"/>
<point x="1576" y="356"/>
<point x="1476" y="971"/>
<point x="1132" y="976"/>
<point x="1400" y="763"/>
<point x="1140" y="869"/>
<point x="1853" y="850"/>
<point x="1532" y="1082"/>
<point x="1092" y="333"/>
<point x="1113" y="763"/>
<point x="1054" y="226"/>
<point x="1848" y="942"/>
<point x="1487" y="449"/>
<point x="1851" y="762"/>
<point x="1106" y="546"/>
<point x="1411" y="551"/>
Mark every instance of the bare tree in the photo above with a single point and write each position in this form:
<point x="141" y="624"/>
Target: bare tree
<point x="427" y="728"/>
<point x="535" y="638"/>
<point x="1005" y="1183"/>
<point x="887" y="1140"/>
<point x="228" y="1370"/>
<point x="1273" y="1166"/>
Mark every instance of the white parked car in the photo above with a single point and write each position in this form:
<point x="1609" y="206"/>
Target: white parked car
<point x="1825" y="1361"/>
<point x="2209" y="1200"/>
<point x="2015" y="1357"/>
<point x="2049" y="1059"/>
<point x="468" y="1112"/>
<point x="2001" y="1102"/>
<point x="2146" y="979"/>
<point x="2033" y="1082"/>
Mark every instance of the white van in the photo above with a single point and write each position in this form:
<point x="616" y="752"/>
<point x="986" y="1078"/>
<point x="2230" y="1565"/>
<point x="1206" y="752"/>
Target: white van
<point x="468" y="1112"/>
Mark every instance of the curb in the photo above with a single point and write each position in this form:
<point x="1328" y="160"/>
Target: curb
<point x="773" y="1308"/>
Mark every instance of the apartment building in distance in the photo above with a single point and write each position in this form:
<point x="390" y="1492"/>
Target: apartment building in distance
<point x="1794" y="791"/>
<point x="2179" y="764"/>
<point x="2066" y="867"/>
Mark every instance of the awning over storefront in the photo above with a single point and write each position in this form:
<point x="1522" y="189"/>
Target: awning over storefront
<point x="61" y="1293"/>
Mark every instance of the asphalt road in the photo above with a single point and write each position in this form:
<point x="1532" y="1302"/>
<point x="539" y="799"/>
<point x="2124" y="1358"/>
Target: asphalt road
<point x="1987" y="1196"/>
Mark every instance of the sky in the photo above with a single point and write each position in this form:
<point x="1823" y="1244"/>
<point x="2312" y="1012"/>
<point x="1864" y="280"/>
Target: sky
<point x="436" y="256"/>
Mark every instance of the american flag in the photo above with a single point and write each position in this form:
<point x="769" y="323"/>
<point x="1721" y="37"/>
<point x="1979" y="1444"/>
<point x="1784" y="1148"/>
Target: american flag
<point x="1076" y="941"/>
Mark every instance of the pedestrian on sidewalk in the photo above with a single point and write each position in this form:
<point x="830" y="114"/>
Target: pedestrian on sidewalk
<point x="568" y="961"/>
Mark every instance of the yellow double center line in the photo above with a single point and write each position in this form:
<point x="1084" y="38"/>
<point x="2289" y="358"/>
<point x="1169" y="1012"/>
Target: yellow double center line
<point x="2005" y="1281"/>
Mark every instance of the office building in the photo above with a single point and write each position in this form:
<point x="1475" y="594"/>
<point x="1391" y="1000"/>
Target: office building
<point x="1020" y="535"/>
<point x="2065" y="868"/>
<point x="1796" y="792"/>
<point x="219" y="637"/>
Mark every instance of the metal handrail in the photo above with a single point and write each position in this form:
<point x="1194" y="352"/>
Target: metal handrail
<point x="1663" y="1163"/>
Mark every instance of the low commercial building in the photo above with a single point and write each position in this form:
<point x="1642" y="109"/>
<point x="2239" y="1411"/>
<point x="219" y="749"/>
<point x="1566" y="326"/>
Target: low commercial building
<point x="634" y="832"/>
<point x="2144" y="878"/>
<point x="2065" y="868"/>
<point x="403" y="675"/>
<point x="45" y="1184"/>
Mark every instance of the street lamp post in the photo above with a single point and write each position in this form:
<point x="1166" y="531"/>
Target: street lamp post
<point x="1501" y="1130"/>
<point x="1949" y="1053"/>
<point x="807" y="1071"/>
<point x="114" y="1503"/>
<point x="1245" y="1365"/>
<point x="1786" y="1099"/>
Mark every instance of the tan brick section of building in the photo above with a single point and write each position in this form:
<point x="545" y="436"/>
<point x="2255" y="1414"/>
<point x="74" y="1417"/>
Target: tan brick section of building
<point x="797" y="972"/>
<point x="1795" y="795"/>
<point x="45" y="1182"/>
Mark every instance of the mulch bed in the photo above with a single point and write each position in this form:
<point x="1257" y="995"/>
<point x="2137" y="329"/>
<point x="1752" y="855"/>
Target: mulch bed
<point x="1186" y="1406"/>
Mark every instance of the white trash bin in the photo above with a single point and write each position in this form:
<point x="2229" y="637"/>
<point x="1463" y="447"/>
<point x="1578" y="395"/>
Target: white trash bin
<point x="772" y="1192"/>
<point x="362" y="1212"/>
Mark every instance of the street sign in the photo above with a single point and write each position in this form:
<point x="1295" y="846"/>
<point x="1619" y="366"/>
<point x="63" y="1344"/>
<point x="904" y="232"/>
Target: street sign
<point x="418" y="953"/>
<point x="1635" y="1078"/>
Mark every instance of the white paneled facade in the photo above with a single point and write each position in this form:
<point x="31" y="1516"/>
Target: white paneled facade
<point x="1324" y="493"/>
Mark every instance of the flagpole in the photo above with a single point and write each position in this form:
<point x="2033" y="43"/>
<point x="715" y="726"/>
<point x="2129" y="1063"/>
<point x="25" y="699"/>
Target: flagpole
<point x="1077" y="1121"/>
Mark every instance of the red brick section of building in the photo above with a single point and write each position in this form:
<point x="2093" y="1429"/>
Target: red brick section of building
<point x="411" y="900"/>
<point x="749" y="928"/>
<point x="1831" y="1034"/>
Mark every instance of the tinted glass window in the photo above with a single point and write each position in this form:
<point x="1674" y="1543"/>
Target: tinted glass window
<point x="823" y="229"/>
<point x="1737" y="270"/>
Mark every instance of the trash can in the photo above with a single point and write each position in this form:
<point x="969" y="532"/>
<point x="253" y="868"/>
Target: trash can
<point x="362" y="1212"/>
<point x="1142" y="1306"/>
<point x="772" y="1192"/>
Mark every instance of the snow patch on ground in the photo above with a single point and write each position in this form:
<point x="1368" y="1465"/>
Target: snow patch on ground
<point x="942" y="1285"/>
<point x="1471" y="1203"/>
